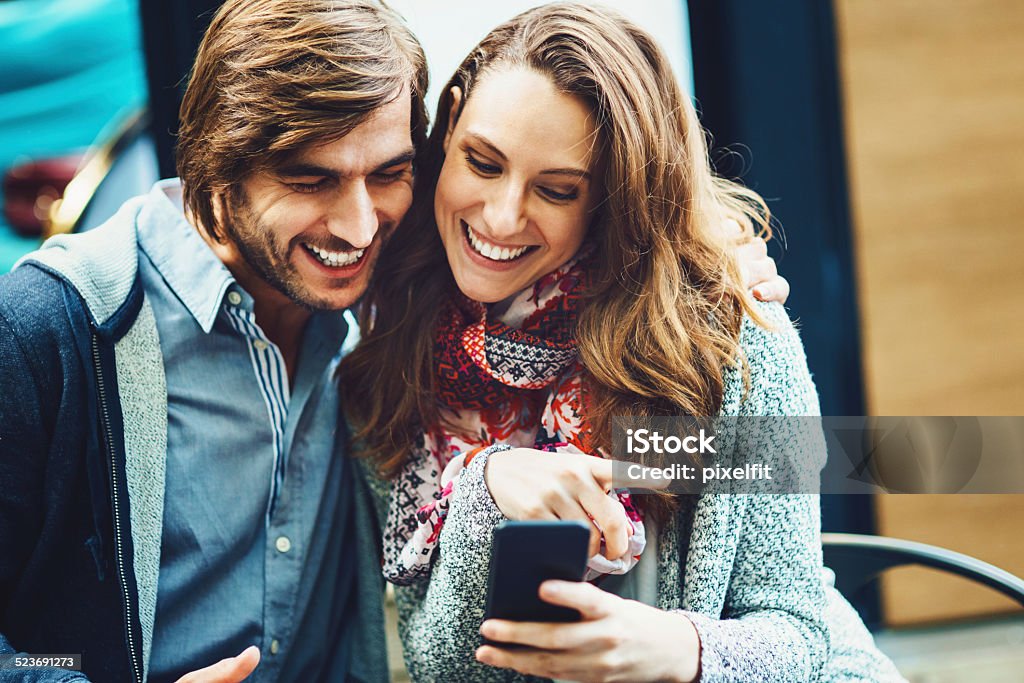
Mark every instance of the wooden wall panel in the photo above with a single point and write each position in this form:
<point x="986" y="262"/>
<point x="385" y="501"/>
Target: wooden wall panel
<point x="934" y="112"/>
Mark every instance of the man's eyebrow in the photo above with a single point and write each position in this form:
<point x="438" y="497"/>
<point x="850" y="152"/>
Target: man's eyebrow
<point x="299" y="169"/>
<point x="397" y="160"/>
<point x="493" y="149"/>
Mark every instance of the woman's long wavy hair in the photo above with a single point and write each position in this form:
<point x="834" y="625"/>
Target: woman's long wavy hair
<point x="661" y="321"/>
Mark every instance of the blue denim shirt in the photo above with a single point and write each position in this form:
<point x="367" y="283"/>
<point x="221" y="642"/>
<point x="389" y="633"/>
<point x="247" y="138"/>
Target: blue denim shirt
<point x="257" y="488"/>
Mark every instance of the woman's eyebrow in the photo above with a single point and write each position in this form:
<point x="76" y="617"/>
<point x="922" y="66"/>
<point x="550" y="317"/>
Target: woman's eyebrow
<point x="574" y="172"/>
<point x="484" y="142"/>
<point x="493" y="149"/>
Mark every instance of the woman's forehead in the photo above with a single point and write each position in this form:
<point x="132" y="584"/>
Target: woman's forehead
<point x="520" y="112"/>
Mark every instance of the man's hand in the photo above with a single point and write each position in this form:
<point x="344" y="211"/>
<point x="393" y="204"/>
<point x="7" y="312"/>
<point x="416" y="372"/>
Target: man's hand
<point x="618" y="640"/>
<point x="230" y="670"/>
<point x="759" y="272"/>
<point x="528" y="484"/>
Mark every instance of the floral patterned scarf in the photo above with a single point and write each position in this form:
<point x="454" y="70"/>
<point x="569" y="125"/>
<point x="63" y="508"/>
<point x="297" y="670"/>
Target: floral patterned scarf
<point x="513" y="380"/>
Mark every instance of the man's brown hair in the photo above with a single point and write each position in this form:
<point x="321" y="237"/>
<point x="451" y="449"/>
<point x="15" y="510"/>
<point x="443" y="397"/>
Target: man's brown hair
<point x="274" y="76"/>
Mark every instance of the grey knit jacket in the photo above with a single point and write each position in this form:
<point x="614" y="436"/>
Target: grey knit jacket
<point x="754" y="584"/>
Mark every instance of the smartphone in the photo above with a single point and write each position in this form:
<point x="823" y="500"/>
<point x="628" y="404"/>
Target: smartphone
<point x="523" y="556"/>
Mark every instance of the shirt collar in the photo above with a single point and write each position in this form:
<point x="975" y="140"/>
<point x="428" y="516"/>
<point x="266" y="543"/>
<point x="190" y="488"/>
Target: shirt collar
<point x="191" y="270"/>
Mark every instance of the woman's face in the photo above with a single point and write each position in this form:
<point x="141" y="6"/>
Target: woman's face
<point x="518" y="183"/>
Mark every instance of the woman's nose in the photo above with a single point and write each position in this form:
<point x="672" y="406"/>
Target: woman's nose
<point x="505" y="212"/>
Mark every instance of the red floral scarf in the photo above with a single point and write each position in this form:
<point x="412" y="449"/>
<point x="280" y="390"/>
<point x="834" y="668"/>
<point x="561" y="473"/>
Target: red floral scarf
<point x="512" y="380"/>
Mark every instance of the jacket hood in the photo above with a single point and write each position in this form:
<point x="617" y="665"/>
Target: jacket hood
<point x="100" y="264"/>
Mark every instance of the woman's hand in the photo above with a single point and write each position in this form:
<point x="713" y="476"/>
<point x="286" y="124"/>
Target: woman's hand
<point x="530" y="484"/>
<point x="617" y="640"/>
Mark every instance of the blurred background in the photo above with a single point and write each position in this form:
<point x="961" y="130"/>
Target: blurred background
<point x="70" y="69"/>
<point x="886" y="136"/>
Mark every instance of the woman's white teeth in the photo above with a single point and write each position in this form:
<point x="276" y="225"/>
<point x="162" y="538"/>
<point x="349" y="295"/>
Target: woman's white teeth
<point x="336" y="259"/>
<point x="492" y="251"/>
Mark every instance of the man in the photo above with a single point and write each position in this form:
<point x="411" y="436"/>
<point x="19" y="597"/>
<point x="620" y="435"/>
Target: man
<point x="173" y="486"/>
<point x="207" y="331"/>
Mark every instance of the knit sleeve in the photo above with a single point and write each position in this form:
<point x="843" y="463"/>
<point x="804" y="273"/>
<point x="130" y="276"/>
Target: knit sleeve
<point x="855" y="658"/>
<point x="439" y="620"/>
<point x="772" y="627"/>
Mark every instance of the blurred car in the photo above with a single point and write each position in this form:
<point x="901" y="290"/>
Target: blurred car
<point x="70" y="68"/>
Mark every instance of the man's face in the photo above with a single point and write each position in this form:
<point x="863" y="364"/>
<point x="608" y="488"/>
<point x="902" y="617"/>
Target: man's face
<point x="312" y="229"/>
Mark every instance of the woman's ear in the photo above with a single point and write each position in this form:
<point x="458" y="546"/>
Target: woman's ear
<point x="453" y="114"/>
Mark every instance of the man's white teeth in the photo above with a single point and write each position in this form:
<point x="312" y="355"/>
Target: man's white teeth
<point x="492" y="251"/>
<point x="336" y="259"/>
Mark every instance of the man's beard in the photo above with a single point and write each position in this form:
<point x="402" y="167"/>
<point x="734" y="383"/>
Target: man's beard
<point x="265" y="257"/>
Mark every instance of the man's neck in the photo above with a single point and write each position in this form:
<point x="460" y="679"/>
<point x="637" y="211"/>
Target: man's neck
<point x="284" y="324"/>
<point x="280" y="318"/>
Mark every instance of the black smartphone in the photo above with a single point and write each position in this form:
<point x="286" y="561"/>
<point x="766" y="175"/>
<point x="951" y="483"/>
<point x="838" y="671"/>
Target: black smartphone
<point x="523" y="556"/>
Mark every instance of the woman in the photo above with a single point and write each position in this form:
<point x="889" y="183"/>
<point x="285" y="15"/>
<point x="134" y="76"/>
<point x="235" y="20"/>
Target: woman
<point x="571" y="268"/>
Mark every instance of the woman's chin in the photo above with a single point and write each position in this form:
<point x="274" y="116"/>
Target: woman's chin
<point x="487" y="288"/>
<point x="485" y="295"/>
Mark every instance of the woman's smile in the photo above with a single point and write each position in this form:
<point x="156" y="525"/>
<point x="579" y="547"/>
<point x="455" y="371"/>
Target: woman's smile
<point x="491" y="250"/>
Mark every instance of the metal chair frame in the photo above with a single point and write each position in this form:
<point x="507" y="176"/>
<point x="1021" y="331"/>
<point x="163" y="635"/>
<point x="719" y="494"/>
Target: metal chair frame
<point x="858" y="559"/>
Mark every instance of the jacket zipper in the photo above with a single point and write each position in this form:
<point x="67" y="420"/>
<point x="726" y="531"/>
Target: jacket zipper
<point x="132" y="655"/>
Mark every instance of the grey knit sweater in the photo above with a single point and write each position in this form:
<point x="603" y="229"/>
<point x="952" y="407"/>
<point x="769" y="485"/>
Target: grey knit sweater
<point x="753" y="583"/>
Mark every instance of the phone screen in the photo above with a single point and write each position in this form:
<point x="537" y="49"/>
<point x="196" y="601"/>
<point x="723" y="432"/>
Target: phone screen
<point x="523" y="556"/>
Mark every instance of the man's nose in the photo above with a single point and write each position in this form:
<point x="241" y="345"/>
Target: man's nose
<point x="353" y="217"/>
<point x="505" y="211"/>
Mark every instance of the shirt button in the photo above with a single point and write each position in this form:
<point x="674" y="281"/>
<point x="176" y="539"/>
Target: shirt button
<point x="282" y="544"/>
<point x="260" y="345"/>
<point x="234" y="298"/>
<point x="274" y="646"/>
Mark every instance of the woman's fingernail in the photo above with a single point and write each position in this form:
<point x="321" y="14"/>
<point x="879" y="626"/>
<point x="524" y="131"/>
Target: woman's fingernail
<point x="550" y="589"/>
